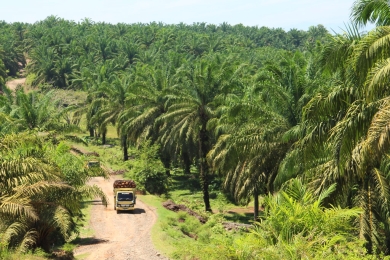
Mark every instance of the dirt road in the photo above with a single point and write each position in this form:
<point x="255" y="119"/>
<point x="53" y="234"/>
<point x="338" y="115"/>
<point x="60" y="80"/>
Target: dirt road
<point x="119" y="236"/>
<point x="12" y="84"/>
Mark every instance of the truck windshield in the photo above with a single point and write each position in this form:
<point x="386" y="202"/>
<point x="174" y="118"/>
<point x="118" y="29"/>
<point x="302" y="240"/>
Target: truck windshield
<point x="125" y="196"/>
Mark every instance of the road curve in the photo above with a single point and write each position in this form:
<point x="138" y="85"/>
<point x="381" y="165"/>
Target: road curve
<point x="119" y="236"/>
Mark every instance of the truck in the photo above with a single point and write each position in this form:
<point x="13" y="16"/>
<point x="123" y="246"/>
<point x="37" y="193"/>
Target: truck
<point x="124" y="195"/>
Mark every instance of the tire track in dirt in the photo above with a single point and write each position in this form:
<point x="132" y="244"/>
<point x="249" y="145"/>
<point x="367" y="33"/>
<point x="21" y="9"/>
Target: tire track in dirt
<point x="119" y="236"/>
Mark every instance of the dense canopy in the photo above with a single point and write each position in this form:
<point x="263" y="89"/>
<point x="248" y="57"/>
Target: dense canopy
<point x="298" y="118"/>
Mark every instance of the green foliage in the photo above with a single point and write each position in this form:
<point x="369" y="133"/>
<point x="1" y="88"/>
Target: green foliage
<point x="40" y="193"/>
<point x="312" y="247"/>
<point x="12" y="47"/>
<point x="73" y="168"/>
<point x="246" y="103"/>
<point x="343" y="137"/>
<point x="294" y="226"/>
<point x="189" y="226"/>
<point x="62" y="52"/>
<point x="136" y="73"/>
<point x="148" y="171"/>
<point x="3" y="74"/>
<point x="68" y="247"/>
<point x="296" y="211"/>
<point x="34" y="111"/>
<point x="369" y="11"/>
<point x="30" y="79"/>
<point x="38" y="254"/>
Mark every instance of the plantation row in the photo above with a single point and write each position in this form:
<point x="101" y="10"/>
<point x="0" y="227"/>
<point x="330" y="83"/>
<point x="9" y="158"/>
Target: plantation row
<point x="303" y="113"/>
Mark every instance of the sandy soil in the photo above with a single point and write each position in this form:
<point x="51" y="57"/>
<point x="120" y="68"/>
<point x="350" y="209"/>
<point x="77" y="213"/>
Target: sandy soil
<point x="119" y="236"/>
<point x="12" y="84"/>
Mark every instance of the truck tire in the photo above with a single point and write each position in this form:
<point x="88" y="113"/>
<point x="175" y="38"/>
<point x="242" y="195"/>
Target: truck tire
<point x="117" y="211"/>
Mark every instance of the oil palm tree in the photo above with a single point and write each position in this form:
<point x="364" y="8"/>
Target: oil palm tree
<point x="98" y="78"/>
<point x="145" y="103"/>
<point x="3" y="73"/>
<point x="42" y="64"/>
<point x="130" y="49"/>
<point x="297" y="224"/>
<point x="111" y="99"/>
<point x="36" y="203"/>
<point x="249" y="147"/>
<point x="140" y="105"/>
<point x="346" y="126"/>
<point x="32" y="110"/>
<point x="373" y="11"/>
<point x="192" y="104"/>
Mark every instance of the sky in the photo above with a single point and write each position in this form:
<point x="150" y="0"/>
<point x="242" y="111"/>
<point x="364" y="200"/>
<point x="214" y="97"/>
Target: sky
<point x="286" y="14"/>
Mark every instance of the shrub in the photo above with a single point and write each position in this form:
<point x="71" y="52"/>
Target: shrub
<point x="30" y="79"/>
<point x="148" y="171"/>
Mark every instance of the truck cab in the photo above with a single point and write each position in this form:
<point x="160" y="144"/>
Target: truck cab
<point x="125" y="199"/>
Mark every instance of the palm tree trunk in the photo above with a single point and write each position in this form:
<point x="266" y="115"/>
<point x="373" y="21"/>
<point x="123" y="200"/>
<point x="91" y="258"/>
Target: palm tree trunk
<point x="166" y="160"/>
<point x="104" y="134"/>
<point x="387" y="238"/>
<point x="204" y="167"/>
<point x="124" y="147"/>
<point x="186" y="162"/>
<point x="91" y="132"/>
<point x="270" y="182"/>
<point x="367" y="216"/>
<point x="256" y="204"/>
<point x="371" y="220"/>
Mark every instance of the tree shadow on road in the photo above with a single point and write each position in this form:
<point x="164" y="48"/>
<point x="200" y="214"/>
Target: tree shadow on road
<point x="89" y="241"/>
<point x="135" y="211"/>
<point x="92" y="202"/>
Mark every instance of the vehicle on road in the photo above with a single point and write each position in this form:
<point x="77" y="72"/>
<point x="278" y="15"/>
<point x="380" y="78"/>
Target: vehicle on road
<point x="124" y="195"/>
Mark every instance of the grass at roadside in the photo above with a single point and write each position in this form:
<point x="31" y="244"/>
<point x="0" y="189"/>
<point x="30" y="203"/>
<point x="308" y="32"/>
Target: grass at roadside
<point x="70" y="97"/>
<point x="82" y="256"/>
<point x="29" y="256"/>
<point x="86" y="233"/>
<point x="181" y="236"/>
<point x="186" y="190"/>
<point x="161" y="240"/>
<point x="85" y="230"/>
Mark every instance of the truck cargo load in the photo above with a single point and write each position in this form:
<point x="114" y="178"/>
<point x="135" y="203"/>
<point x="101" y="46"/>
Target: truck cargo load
<point x="124" y="195"/>
<point x="124" y="184"/>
